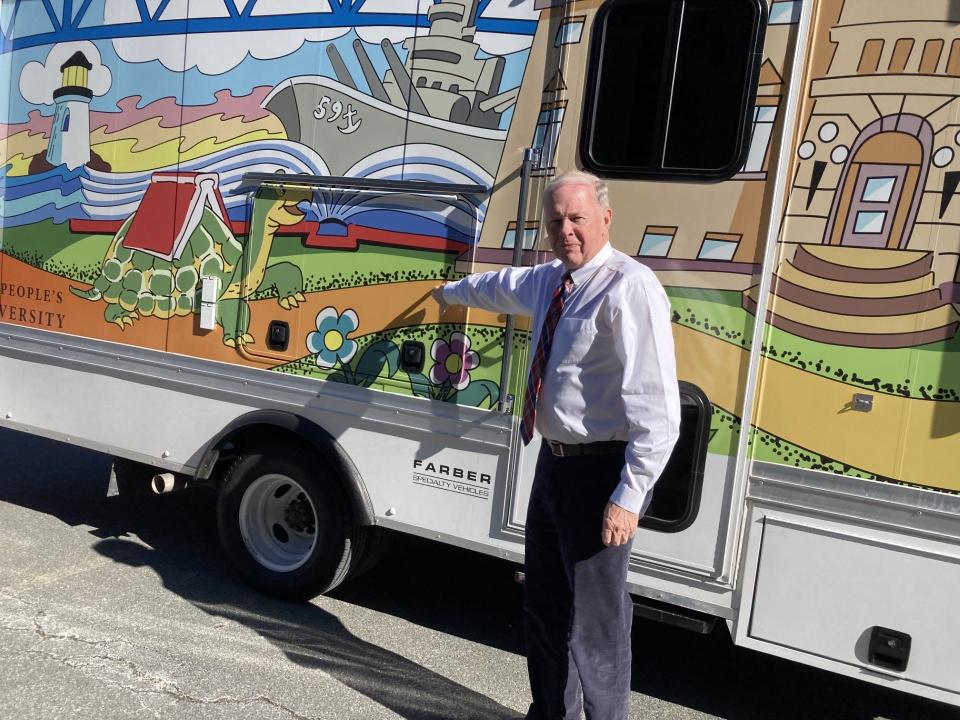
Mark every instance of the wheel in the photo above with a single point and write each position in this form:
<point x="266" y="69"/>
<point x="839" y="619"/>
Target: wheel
<point x="284" y="522"/>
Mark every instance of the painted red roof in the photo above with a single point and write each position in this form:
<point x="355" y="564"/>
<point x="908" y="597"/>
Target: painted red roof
<point x="171" y="210"/>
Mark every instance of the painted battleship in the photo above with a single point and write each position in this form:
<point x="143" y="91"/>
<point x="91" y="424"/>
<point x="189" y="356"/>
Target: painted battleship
<point x="442" y="95"/>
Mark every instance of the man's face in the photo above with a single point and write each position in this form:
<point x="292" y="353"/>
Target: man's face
<point x="577" y="225"/>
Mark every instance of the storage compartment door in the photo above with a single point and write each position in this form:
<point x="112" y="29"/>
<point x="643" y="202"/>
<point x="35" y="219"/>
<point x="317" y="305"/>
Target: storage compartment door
<point x="822" y="590"/>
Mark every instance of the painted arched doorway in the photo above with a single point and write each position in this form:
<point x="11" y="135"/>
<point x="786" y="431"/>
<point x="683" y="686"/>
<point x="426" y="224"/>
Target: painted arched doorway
<point x="881" y="184"/>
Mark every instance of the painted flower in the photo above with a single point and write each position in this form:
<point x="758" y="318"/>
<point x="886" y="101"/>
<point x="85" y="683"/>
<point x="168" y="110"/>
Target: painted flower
<point x="454" y="360"/>
<point x="330" y="341"/>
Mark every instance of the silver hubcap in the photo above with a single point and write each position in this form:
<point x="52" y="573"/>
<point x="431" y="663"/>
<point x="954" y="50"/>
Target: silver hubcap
<point x="278" y="523"/>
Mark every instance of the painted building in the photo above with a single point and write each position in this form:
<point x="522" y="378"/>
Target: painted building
<point x="695" y="234"/>
<point x="870" y="252"/>
<point x="70" y="134"/>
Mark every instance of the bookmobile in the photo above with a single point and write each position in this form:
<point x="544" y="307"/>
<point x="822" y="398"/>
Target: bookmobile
<point x="221" y="220"/>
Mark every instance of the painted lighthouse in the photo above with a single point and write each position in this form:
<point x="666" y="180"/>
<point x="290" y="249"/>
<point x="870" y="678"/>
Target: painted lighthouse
<point x="70" y="135"/>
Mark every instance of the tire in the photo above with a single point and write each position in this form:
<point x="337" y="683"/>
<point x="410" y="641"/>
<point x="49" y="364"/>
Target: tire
<point x="377" y="541"/>
<point x="284" y="522"/>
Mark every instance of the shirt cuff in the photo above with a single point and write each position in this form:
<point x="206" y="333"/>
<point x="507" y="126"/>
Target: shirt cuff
<point x="630" y="499"/>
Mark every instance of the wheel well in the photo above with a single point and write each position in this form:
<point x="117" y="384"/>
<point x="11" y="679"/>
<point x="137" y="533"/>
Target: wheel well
<point x="285" y="429"/>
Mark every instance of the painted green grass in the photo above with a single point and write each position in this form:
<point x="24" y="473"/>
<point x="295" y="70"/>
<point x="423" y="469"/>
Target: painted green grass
<point x="928" y="372"/>
<point x="485" y="340"/>
<point x="925" y="372"/>
<point x="714" y="312"/>
<point x="325" y="269"/>
<point x="55" y="249"/>
<point x="725" y="434"/>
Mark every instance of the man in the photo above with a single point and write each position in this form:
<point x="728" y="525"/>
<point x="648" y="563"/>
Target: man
<point x="603" y="391"/>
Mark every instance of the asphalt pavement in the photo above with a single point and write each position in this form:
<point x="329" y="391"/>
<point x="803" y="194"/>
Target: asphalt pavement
<point x="116" y="608"/>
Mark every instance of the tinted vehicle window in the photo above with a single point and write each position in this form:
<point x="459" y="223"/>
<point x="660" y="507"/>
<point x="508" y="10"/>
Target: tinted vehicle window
<point x="671" y="87"/>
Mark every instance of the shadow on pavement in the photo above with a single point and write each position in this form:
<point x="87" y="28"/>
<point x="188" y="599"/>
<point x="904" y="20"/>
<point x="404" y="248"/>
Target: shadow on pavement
<point x="447" y="589"/>
<point x="178" y="541"/>
<point x="316" y="639"/>
<point x="430" y="585"/>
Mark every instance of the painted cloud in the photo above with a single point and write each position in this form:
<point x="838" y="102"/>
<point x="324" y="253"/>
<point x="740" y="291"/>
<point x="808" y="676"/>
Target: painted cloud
<point x="218" y="53"/>
<point x="39" y="80"/>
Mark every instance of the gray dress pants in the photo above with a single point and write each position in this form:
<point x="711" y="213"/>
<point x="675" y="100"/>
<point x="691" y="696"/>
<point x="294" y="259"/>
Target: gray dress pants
<point x="577" y="610"/>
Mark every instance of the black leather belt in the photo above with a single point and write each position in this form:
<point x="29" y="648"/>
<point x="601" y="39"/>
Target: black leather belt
<point x="603" y="447"/>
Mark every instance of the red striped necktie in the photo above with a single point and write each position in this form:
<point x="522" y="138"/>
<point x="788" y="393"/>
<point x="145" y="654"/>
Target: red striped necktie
<point x="542" y="355"/>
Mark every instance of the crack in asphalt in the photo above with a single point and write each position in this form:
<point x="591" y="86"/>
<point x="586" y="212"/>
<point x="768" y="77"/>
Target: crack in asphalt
<point x="95" y="665"/>
<point x="37" y="628"/>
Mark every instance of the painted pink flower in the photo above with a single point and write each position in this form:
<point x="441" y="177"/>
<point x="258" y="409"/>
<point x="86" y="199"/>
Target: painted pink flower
<point x="454" y="360"/>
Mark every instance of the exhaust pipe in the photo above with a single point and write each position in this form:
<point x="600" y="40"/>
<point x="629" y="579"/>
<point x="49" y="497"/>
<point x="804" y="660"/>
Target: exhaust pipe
<point x="163" y="483"/>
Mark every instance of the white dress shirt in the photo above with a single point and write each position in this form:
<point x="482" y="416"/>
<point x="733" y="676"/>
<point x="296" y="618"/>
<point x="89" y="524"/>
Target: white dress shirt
<point x="611" y="373"/>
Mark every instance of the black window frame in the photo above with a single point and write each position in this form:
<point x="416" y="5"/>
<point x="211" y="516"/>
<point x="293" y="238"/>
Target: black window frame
<point x="746" y="104"/>
<point x="683" y="474"/>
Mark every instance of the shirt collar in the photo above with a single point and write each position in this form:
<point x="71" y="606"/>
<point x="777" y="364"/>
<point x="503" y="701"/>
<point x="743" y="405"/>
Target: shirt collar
<point x="583" y="273"/>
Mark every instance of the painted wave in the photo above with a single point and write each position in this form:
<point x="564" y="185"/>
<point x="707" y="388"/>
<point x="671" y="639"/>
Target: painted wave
<point x="114" y="196"/>
<point x="52" y="195"/>
<point x="60" y="195"/>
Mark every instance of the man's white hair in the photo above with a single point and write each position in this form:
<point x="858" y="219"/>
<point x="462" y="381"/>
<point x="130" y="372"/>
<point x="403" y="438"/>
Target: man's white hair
<point x="579" y="177"/>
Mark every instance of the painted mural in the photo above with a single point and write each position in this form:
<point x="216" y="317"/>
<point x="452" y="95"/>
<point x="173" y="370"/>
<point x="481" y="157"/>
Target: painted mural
<point x="863" y="291"/>
<point x="130" y="124"/>
<point x="865" y="267"/>
<point x="866" y="274"/>
<point x="124" y="156"/>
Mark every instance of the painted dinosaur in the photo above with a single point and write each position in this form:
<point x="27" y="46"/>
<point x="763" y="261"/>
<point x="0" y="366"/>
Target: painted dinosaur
<point x="136" y="284"/>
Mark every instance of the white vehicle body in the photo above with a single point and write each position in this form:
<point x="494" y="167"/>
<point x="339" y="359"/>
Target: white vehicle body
<point x="813" y="508"/>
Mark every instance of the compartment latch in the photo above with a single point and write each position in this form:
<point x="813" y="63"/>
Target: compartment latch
<point x="889" y="649"/>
